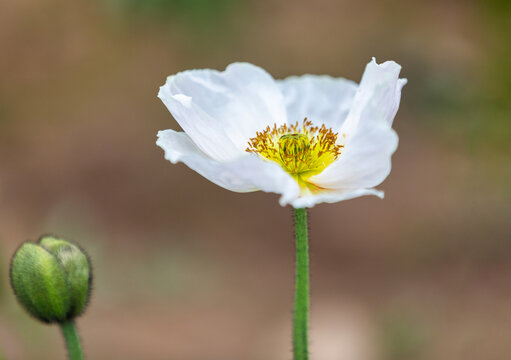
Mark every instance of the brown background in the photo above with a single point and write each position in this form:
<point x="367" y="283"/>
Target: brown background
<point x="188" y="271"/>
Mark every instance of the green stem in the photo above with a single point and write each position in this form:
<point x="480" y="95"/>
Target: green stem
<point x="74" y="348"/>
<point x="301" y="311"/>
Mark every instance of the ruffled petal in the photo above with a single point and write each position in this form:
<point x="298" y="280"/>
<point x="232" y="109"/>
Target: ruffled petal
<point x="333" y="196"/>
<point x="365" y="162"/>
<point x="377" y="98"/>
<point x="322" y="99"/>
<point x="244" y="174"/>
<point x="221" y="111"/>
<point x="370" y="141"/>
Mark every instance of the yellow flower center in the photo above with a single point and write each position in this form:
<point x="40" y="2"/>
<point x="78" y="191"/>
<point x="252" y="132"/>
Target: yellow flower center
<point x="301" y="151"/>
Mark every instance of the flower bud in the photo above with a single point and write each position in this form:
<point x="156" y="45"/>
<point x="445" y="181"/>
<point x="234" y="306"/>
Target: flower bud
<point x="51" y="279"/>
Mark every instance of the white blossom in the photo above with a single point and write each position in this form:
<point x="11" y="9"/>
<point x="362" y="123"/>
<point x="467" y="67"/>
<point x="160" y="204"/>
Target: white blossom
<point x="310" y="138"/>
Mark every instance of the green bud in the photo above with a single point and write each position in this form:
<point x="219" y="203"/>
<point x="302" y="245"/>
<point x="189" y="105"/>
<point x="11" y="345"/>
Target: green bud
<point x="51" y="279"/>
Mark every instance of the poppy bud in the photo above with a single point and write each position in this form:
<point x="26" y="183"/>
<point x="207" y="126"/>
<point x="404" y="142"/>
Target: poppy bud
<point x="51" y="279"/>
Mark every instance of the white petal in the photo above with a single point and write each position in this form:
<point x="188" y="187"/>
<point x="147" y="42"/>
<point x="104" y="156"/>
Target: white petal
<point x="370" y="142"/>
<point x="377" y="98"/>
<point x="322" y="99"/>
<point x="221" y="111"/>
<point x="333" y="196"/>
<point x="365" y="162"/>
<point x="244" y="174"/>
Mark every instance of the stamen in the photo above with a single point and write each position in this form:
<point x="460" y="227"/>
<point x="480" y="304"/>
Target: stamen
<point x="302" y="151"/>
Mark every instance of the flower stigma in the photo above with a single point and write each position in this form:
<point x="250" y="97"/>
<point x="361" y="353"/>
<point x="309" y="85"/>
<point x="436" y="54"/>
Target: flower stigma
<point x="302" y="151"/>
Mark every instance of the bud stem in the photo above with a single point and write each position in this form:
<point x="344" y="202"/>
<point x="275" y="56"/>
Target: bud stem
<point x="301" y="311"/>
<point x="74" y="348"/>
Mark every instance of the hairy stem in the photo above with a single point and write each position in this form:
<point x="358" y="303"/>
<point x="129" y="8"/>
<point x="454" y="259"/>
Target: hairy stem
<point x="301" y="310"/>
<point x="74" y="348"/>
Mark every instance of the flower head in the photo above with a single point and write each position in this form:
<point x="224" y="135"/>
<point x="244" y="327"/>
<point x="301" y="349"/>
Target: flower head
<point x="311" y="138"/>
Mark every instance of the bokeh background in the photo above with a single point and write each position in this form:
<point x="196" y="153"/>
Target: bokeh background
<point x="185" y="270"/>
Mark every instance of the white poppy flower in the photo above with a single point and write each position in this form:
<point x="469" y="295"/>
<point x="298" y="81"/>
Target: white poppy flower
<point x="309" y="138"/>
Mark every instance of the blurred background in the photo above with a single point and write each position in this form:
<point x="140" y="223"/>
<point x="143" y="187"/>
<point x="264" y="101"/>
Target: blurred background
<point x="185" y="270"/>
